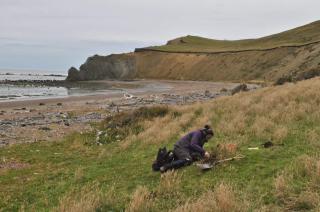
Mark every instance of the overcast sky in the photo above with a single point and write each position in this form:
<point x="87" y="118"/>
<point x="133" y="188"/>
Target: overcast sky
<point x="54" y="35"/>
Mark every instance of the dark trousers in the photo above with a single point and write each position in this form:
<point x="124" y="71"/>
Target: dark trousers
<point x="182" y="158"/>
<point x="177" y="164"/>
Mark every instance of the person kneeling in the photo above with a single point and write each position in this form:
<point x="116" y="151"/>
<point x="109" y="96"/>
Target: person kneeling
<point x="190" y="148"/>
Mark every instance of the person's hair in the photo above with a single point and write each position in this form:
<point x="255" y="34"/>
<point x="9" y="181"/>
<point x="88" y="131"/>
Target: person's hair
<point x="207" y="130"/>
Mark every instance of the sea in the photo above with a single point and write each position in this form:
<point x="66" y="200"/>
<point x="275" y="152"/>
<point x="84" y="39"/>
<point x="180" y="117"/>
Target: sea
<point x="11" y="88"/>
<point x="10" y="91"/>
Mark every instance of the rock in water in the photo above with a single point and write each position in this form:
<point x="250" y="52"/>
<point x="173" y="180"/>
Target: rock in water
<point x="73" y="74"/>
<point x="114" y="66"/>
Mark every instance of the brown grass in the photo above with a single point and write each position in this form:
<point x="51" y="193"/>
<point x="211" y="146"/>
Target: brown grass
<point x="88" y="199"/>
<point x="169" y="183"/>
<point x="262" y="126"/>
<point x="140" y="201"/>
<point x="264" y="113"/>
<point x="279" y="134"/>
<point x="79" y="174"/>
<point x="222" y="199"/>
<point x="161" y="129"/>
<point x="281" y="187"/>
<point x="313" y="137"/>
<point x="306" y="168"/>
<point x="225" y="150"/>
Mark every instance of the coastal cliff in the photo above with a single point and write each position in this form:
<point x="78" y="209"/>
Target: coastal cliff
<point x="115" y="66"/>
<point x="288" y="54"/>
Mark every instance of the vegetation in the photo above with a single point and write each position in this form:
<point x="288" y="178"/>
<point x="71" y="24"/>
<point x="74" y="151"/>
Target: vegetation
<point x="77" y="175"/>
<point x="295" y="37"/>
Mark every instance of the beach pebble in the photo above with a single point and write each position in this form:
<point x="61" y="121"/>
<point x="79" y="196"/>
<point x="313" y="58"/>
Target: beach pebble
<point x="44" y="128"/>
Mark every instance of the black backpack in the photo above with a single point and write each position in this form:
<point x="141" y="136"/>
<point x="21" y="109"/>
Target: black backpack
<point x="163" y="157"/>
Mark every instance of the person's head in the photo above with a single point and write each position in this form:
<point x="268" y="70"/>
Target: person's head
<point x="208" y="132"/>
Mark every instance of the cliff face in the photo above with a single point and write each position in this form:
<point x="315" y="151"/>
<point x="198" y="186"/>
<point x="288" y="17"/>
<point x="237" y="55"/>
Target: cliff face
<point x="116" y="66"/>
<point x="243" y="65"/>
<point x="280" y="56"/>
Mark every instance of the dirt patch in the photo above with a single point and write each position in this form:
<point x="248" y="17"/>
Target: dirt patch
<point x="13" y="165"/>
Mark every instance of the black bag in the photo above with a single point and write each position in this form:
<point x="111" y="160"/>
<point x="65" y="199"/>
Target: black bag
<point x="163" y="157"/>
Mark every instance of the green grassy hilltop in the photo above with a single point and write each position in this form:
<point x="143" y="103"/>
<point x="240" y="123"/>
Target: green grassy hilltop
<point x="76" y="174"/>
<point x="296" y="37"/>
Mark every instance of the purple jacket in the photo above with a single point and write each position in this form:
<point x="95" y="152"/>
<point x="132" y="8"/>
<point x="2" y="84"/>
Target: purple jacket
<point x="193" y="141"/>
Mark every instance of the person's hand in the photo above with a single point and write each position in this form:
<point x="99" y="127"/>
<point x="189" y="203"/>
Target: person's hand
<point x="206" y="155"/>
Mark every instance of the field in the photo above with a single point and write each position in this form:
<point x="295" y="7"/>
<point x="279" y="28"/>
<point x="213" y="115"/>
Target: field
<point x="76" y="174"/>
<point x="296" y="37"/>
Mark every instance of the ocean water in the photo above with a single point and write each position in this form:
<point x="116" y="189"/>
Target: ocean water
<point x="11" y="92"/>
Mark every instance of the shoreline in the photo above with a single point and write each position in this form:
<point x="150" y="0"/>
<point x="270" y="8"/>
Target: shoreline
<point x="51" y="119"/>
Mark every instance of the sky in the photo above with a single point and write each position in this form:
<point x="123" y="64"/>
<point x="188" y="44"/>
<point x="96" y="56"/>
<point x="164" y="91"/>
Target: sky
<point x="55" y="35"/>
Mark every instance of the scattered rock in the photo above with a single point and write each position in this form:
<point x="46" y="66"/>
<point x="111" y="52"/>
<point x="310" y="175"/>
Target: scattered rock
<point x="207" y="93"/>
<point x="223" y="90"/>
<point x="41" y="104"/>
<point x="128" y="96"/>
<point x="44" y="128"/>
<point x="66" y="123"/>
<point x="23" y="108"/>
<point x="59" y="104"/>
<point x="239" y="88"/>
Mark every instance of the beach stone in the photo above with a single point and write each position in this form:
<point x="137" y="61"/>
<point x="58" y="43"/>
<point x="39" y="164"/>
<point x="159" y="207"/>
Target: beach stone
<point x="207" y="93"/>
<point x="44" y="128"/>
<point x="223" y="90"/>
<point x="66" y="123"/>
<point x="239" y="88"/>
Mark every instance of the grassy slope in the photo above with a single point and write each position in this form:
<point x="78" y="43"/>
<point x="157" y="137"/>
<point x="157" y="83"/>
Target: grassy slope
<point x="74" y="175"/>
<point x="295" y="37"/>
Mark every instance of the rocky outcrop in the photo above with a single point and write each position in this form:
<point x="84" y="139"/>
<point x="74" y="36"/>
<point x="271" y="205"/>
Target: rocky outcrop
<point x="73" y="74"/>
<point x="115" y="66"/>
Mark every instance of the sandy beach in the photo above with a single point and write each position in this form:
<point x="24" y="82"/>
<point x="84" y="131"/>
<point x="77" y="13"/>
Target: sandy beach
<point x="51" y="119"/>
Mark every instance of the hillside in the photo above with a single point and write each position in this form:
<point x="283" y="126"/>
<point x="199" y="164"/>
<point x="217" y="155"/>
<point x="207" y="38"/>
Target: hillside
<point x="293" y="54"/>
<point x="76" y="174"/>
<point x="307" y="34"/>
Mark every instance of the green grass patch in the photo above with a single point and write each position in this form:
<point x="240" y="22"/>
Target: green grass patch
<point x="295" y="37"/>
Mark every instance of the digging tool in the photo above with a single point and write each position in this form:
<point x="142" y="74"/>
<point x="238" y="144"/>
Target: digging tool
<point x="207" y="166"/>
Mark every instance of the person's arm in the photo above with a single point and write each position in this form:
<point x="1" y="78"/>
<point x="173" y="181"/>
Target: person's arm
<point x="195" y="143"/>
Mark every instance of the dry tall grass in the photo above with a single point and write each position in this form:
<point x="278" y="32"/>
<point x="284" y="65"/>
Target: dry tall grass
<point x="169" y="183"/>
<point x="140" y="201"/>
<point x="307" y="170"/>
<point x="222" y="199"/>
<point x="86" y="200"/>
<point x="161" y="129"/>
<point x="264" y="113"/>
